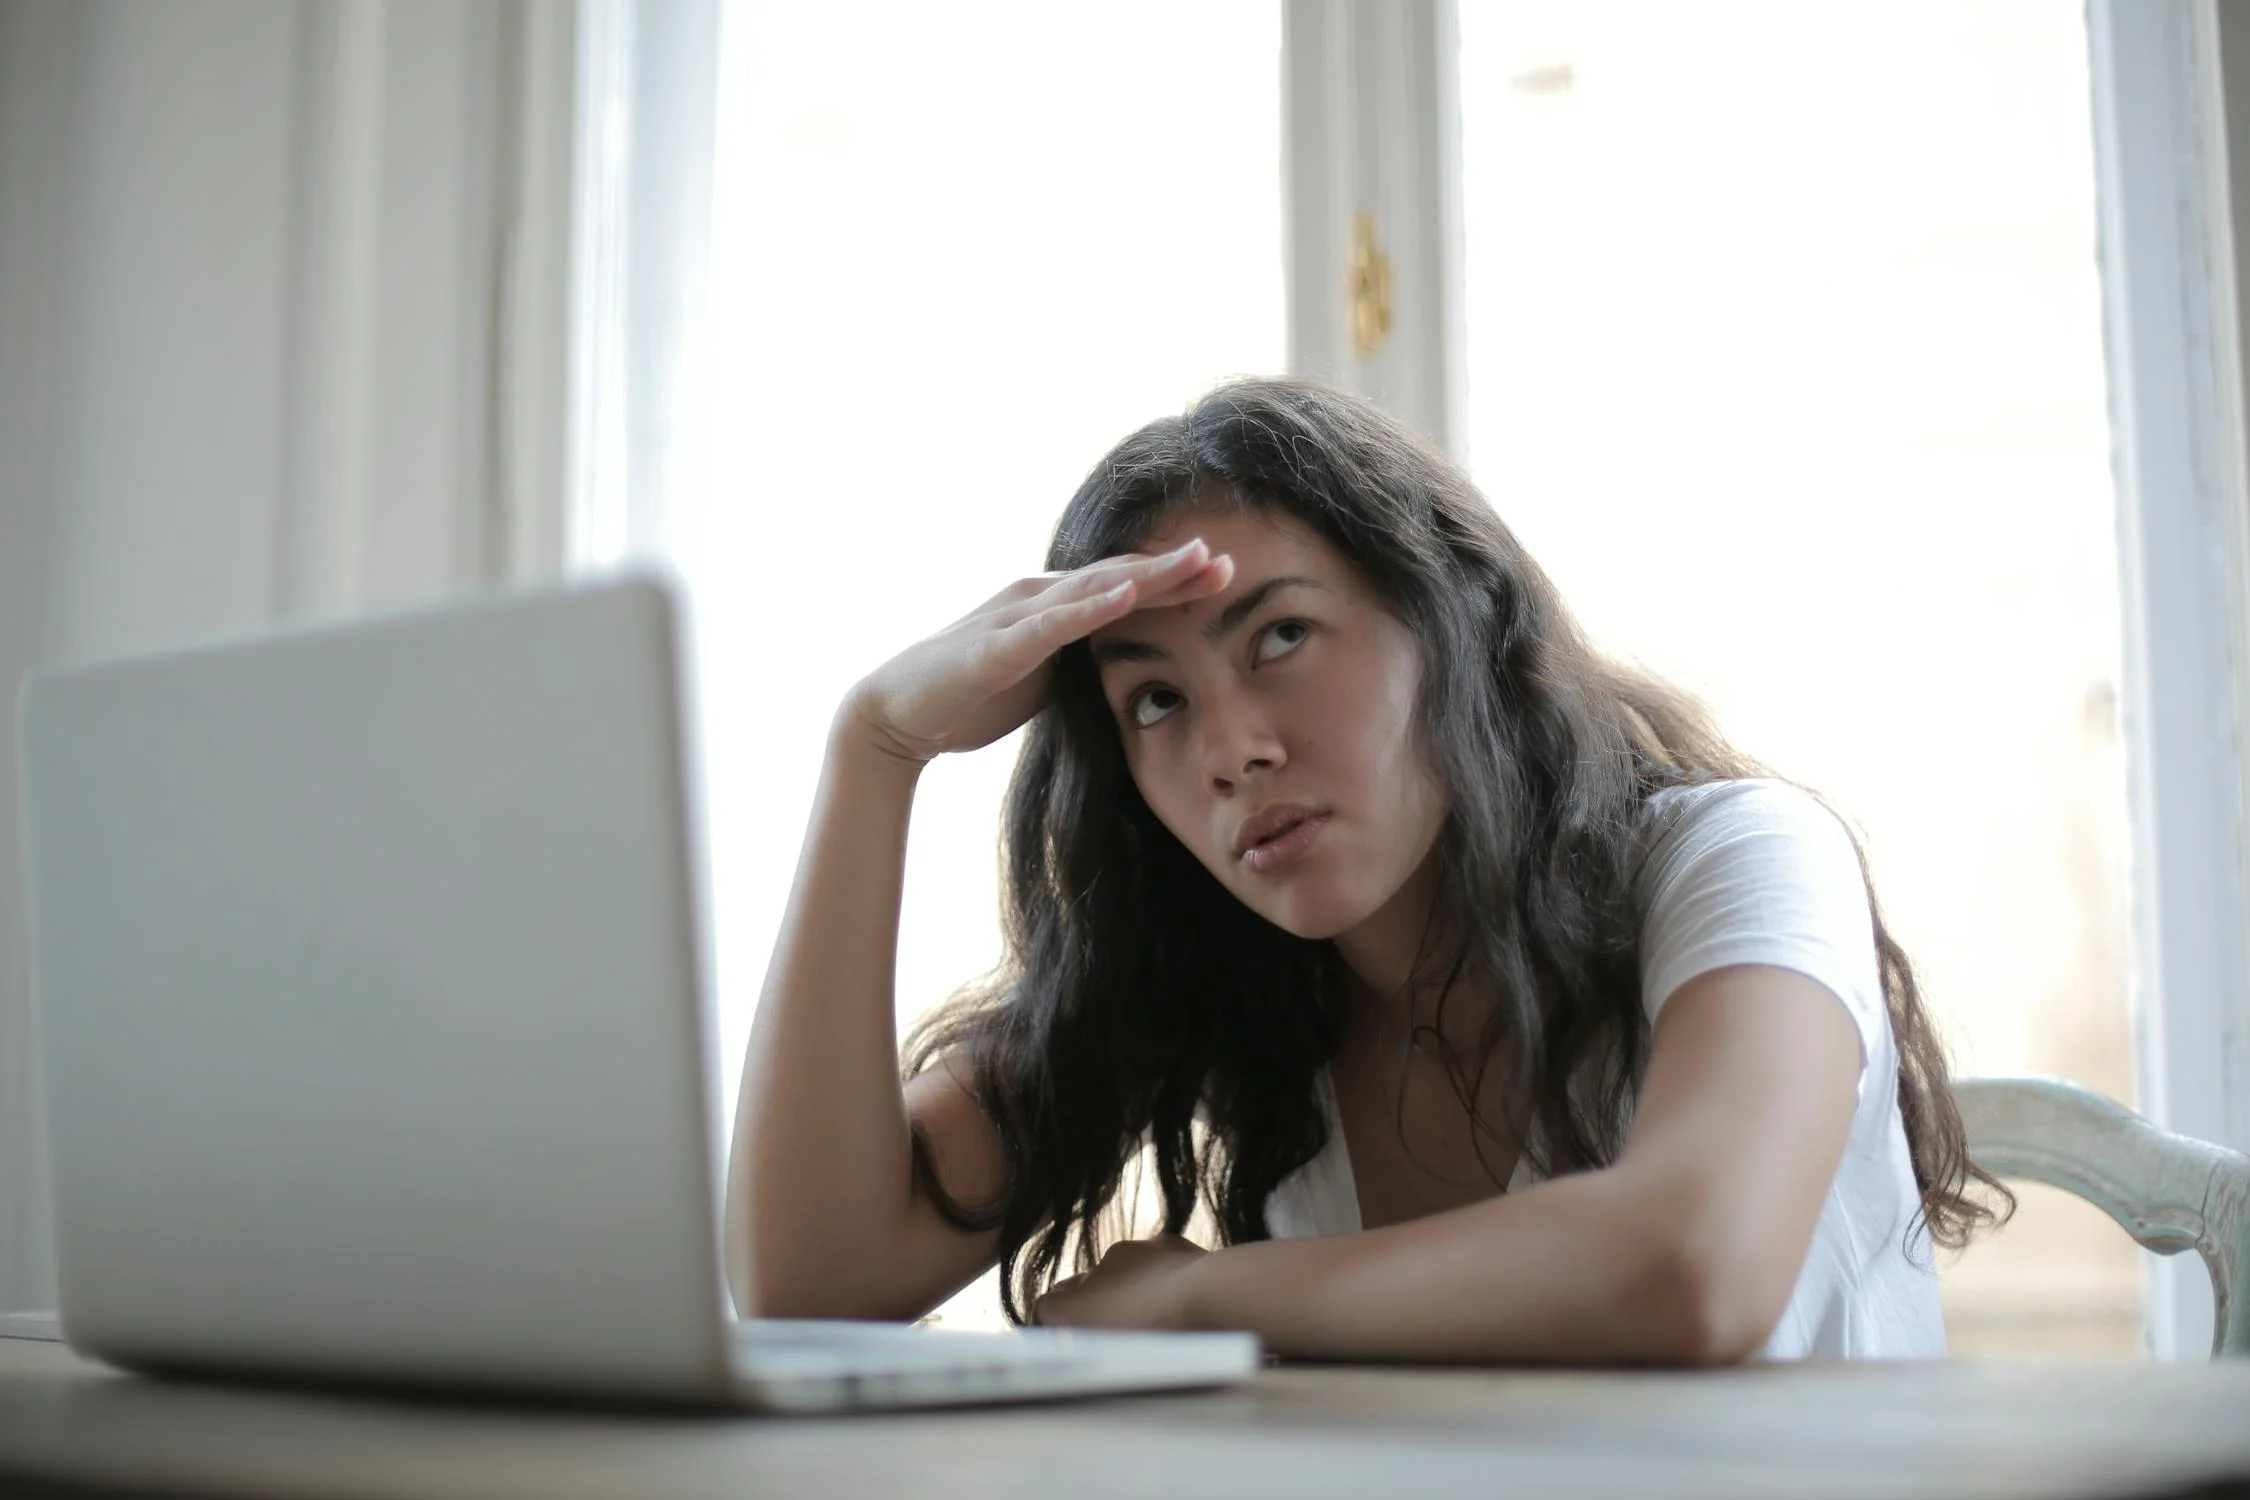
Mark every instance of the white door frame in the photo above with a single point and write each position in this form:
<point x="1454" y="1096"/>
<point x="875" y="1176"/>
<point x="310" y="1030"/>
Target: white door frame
<point x="2171" y="314"/>
<point x="1372" y="125"/>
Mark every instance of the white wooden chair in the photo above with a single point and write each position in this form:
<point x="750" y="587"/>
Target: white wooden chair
<point x="2168" y="1192"/>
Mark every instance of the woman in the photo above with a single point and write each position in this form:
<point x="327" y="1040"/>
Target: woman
<point x="1489" y="1003"/>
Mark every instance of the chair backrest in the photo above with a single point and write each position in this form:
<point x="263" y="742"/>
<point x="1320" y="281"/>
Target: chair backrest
<point x="2167" y="1191"/>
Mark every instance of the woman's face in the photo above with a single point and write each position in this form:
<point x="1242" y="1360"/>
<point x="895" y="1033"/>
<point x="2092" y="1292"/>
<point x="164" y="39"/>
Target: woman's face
<point x="1269" y="727"/>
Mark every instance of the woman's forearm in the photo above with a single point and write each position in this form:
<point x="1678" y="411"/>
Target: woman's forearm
<point x="1580" y="1269"/>
<point x="820" y="1169"/>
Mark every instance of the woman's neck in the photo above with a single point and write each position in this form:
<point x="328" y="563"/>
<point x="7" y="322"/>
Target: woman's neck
<point x="1404" y="978"/>
<point x="1427" y="1018"/>
<point x="1381" y="952"/>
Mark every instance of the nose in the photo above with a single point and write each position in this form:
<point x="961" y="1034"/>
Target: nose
<point x="1240" y="740"/>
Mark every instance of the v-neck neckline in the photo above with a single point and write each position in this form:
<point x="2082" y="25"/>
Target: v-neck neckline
<point x="1338" y="1154"/>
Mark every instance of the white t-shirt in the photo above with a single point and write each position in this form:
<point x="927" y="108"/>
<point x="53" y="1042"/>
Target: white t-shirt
<point x="1757" y="872"/>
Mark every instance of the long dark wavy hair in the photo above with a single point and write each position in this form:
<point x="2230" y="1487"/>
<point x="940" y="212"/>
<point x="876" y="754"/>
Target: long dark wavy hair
<point x="1142" y="1014"/>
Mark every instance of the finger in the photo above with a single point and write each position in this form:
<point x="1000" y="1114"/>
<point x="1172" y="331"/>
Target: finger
<point x="1173" y="579"/>
<point x="1043" y="633"/>
<point x="1032" y="585"/>
<point x="1014" y="652"/>
<point x="1145" y="570"/>
<point x="1008" y="605"/>
<point x="1212" y="577"/>
<point x="1054" y="1303"/>
<point x="1111" y="561"/>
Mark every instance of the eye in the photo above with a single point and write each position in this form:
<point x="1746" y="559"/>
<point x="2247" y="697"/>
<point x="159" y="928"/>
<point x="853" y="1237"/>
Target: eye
<point x="1274" y="631"/>
<point x="1139" y="708"/>
<point x="1153" y="704"/>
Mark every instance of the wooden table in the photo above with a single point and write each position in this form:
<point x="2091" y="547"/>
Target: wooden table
<point x="1922" y="1431"/>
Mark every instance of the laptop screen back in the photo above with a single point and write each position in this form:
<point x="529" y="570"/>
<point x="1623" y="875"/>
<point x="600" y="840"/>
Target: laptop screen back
<point x="370" y="999"/>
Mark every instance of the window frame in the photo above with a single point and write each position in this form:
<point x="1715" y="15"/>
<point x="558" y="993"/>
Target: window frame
<point x="2171" y="307"/>
<point x="1353" y="140"/>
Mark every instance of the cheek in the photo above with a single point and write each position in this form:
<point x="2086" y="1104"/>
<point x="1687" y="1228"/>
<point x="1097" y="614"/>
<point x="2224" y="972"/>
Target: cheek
<point x="1379" y="739"/>
<point x="1399" y="775"/>
<point x="1161" y="787"/>
<point x="1413" y="803"/>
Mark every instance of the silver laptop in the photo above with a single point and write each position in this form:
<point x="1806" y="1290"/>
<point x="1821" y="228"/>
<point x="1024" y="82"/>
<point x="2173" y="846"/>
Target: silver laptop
<point x="372" y="1004"/>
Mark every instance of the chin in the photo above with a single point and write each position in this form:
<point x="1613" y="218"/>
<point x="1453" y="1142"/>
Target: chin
<point x="1315" y="918"/>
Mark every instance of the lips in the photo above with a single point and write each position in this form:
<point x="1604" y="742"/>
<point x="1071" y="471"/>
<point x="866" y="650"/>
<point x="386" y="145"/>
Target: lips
<point x="1271" y="823"/>
<point x="1284" y="850"/>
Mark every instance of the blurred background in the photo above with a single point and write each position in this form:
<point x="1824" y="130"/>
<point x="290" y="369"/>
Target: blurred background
<point x="1777" y="331"/>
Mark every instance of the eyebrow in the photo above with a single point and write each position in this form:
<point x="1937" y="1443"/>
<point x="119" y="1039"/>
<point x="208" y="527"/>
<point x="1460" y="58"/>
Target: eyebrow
<point x="1217" y="629"/>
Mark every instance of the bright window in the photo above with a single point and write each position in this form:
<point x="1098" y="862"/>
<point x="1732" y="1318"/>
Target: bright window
<point x="1785" y="358"/>
<point x="958" y="251"/>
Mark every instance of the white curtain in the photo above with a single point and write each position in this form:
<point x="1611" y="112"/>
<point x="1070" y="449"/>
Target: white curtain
<point x="281" y="285"/>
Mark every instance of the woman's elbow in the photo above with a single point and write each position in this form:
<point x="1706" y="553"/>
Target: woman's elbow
<point x="1705" y="1304"/>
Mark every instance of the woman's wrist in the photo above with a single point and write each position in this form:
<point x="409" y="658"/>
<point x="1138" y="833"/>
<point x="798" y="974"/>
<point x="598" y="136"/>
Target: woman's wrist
<point x="854" y="741"/>
<point x="1208" y="1292"/>
<point x="1190" y="1312"/>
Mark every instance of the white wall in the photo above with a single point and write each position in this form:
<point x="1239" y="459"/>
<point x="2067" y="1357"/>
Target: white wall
<point x="279" y="299"/>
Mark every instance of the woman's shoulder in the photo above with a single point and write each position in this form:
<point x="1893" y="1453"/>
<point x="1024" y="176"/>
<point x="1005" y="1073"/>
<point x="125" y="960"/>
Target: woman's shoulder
<point x="1745" y="830"/>
<point x="1757" y="870"/>
<point x="1767" y="791"/>
<point x="1703" y="811"/>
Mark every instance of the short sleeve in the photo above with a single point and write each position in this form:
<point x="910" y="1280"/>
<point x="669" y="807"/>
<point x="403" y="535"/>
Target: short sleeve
<point x="1758" y="872"/>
